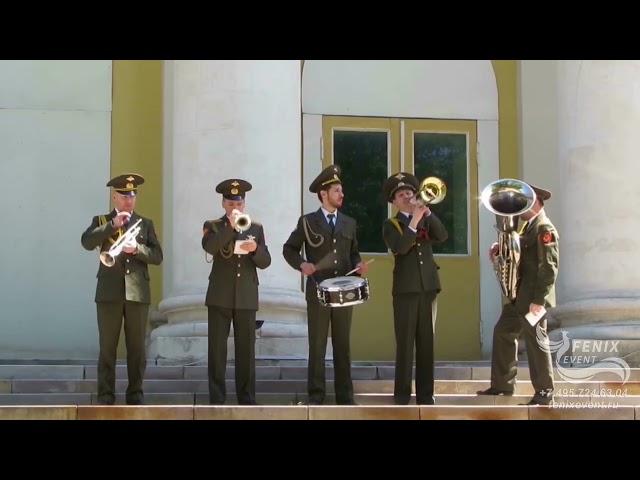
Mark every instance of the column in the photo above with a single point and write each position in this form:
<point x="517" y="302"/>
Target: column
<point x="599" y="280"/>
<point x="228" y="119"/>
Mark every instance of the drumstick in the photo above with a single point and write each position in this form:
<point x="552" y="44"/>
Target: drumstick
<point x="366" y="263"/>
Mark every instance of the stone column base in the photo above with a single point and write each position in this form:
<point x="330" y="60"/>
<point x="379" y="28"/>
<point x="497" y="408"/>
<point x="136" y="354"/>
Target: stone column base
<point x="597" y="329"/>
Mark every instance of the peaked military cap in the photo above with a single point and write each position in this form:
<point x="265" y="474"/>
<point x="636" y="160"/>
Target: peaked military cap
<point x="541" y="193"/>
<point x="233" y="188"/>
<point x="396" y="182"/>
<point x="126" y="184"/>
<point x="329" y="175"/>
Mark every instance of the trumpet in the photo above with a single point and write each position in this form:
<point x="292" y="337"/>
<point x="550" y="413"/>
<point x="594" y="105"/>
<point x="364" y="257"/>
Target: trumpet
<point x="108" y="258"/>
<point x="432" y="190"/>
<point x="243" y="221"/>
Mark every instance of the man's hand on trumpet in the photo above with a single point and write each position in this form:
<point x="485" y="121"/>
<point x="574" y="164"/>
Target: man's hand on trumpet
<point x="130" y="246"/>
<point x="233" y="218"/>
<point x="419" y="211"/>
<point x="121" y="219"/>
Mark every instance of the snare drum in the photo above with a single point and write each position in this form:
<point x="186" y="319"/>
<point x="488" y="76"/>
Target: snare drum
<point x="343" y="291"/>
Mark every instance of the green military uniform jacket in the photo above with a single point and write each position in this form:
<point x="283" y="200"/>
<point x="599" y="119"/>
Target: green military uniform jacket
<point x="538" y="268"/>
<point x="414" y="270"/>
<point x="233" y="281"/>
<point x="128" y="279"/>
<point x="338" y="253"/>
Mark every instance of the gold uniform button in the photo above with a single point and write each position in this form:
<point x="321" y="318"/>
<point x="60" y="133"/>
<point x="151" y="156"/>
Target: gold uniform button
<point x="238" y="274"/>
<point x="128" y="271"/>
<point x="421" y="262"/>
<point x="335" y="261"/>
<point x="127" y="260"/>
<point x="334" y="240"/>
<point x="238" y="264"/>
<point x="419" y="253"/>
<point x="335" y="272"/>
<point x="238" y="256"/>
<point x="335" y="251"/>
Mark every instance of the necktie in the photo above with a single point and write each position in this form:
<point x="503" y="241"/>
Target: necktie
<point x="332" y="224"/>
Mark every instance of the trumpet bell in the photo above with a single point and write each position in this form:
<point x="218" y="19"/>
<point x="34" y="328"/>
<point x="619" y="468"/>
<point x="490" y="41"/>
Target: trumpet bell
<point x="243" y="221"/>
<point x="107" y="259"/>
<point x="432" y="190"/>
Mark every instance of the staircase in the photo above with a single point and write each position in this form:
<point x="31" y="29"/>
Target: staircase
<point x="181" y="392"/>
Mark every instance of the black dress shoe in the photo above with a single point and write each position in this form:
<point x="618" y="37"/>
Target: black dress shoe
<point x="348" y="402"/>
<point x="426" y="401"/>
<point x="495" y="391"/>
<point x="106" y="401"/>
<point x="543" y="397"/>
<point x="314" y="401"/>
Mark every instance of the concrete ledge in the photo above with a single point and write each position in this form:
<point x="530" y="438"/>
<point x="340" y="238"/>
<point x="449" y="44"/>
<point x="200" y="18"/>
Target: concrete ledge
<point x="264" y="412"/>
<point x="66" y="412"/>
<point x="131" y="412"/>
<point x="242" y="412"/>
<point x="369" y="412"/>
<point x="464" y="412"/>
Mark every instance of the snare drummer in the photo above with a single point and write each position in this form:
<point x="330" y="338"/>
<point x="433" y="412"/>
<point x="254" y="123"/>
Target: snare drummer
<point x="331" y="250"/>
<point x="409" y="235"/>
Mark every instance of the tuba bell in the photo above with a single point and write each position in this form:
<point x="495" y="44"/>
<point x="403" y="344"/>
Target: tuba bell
<point x="432" y="190"/>
<point x="508" y="198"/>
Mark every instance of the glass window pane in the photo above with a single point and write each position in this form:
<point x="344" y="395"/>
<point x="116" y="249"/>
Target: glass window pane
<point x="363" y="159"/>
<point x="444" y="155"/>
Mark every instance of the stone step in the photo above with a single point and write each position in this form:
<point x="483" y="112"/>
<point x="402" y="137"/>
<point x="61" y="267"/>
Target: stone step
<point x="153" y="372"/>
<point x="285" y="371"/>
<point x="300" y="386"/>
<point x="570" y="401"/>
<point x="45" y="399"/>
<point x="328" y="412"/>
<point x="60" y="372"/>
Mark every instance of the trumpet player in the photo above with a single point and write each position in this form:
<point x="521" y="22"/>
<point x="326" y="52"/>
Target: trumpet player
<point x="123" y="288"/>
<point x="409" y="235"/>
<point x="526" y="313"/>
<point x="238" y="248"/>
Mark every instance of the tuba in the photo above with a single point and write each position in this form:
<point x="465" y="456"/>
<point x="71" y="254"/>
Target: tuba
<point x="108" y="258"/>
<point x="432" y="190"/>
<point x="243" y="221"/>
<point x="508" y="199"/>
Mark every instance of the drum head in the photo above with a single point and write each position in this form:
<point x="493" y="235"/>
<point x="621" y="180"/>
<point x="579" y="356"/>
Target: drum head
<point x="341" y="283"/>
